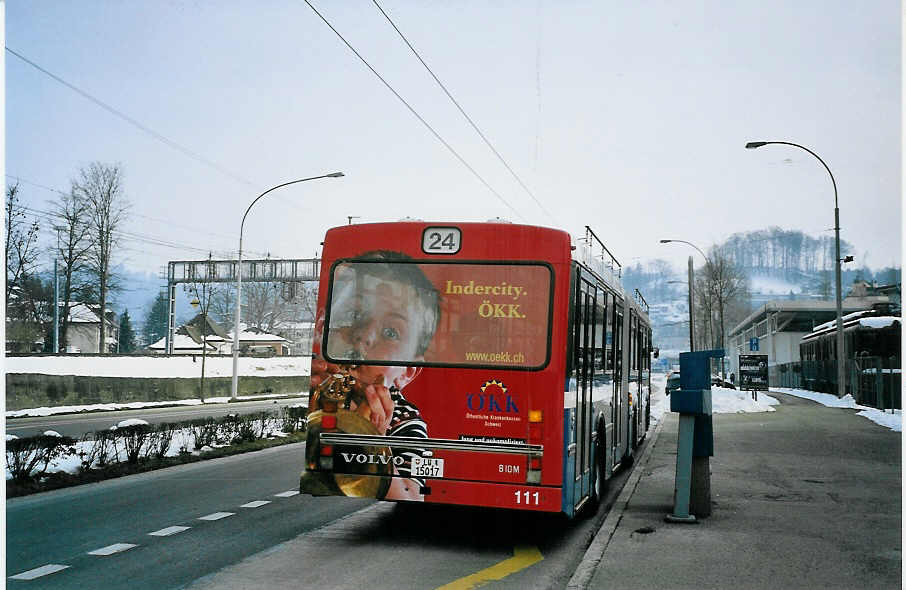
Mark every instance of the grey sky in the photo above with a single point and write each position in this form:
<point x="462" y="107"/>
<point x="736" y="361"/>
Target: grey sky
<point x="629" y="117"/>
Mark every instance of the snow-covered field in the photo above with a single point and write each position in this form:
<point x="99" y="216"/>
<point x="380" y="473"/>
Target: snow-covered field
<point x="150" y="366"/>
<point x="50" y="411"/>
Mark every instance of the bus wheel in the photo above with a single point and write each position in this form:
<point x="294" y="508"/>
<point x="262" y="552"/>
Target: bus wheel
<point x="599" y="485"/>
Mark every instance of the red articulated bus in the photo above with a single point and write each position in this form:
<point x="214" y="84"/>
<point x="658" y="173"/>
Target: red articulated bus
<point x="473" y="364"/>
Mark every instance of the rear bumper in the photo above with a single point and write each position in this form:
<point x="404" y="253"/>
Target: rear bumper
<point x="456" y="492"/>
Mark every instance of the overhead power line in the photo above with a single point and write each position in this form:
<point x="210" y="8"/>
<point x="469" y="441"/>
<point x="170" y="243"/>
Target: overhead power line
<point x="415" y="113"/>
<point x="53" y="217"/>
<point x="461" y="110"/>
<point x="131" y="213"/>
<point x="138" y="125"/>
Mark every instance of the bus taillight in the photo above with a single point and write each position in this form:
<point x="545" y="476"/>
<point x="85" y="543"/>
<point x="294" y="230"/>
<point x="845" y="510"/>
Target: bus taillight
<point x="535" y="432"/>
<point x="326" y="452"/>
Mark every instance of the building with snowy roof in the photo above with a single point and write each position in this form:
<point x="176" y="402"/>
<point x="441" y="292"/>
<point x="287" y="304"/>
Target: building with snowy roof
<point x="199" y="334"/>
<point x="778" y="327"/>
<point x="84" y="332"/>
<point x="256" y="342"/>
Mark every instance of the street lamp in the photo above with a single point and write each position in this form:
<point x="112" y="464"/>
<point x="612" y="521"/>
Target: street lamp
<point x="841" y="386"/>
<point x="235" y="386"/>
<point x="691" y="282"/>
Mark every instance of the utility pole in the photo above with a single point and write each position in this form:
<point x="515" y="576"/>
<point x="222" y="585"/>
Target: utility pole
<point x="56" y="308"/>
<point x="56" y="295"/>
<point x="691" y="315"/>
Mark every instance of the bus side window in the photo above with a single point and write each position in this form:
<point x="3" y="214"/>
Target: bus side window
<point x="600" y="331"/>
<point x="609" y="339"/>
<point x="618" y="344"/>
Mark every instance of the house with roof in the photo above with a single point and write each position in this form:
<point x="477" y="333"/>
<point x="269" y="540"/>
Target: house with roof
<point x="203" y="333"/>
<point x="256" y="342"/>
<point x="199" y="334"/>
<point x="84" y="332"/>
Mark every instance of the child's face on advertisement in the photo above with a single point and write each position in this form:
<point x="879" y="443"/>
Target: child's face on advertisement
<point x="372" y="319"/>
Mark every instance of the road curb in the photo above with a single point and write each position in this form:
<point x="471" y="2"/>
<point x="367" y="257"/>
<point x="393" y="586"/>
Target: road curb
<point x="583" y="574"/>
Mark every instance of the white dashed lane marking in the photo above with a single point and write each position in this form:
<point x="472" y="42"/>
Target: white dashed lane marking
<point x="170" y="530"/>
<point x="38" y="572"/>
<point x="52" y="568"/>
<point x="256" y="504"/>
<point x="111" y="549"/>
<point x="217" y="516"/>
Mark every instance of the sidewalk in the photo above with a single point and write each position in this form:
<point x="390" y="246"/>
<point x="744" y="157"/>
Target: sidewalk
<point x="803" y="497"/>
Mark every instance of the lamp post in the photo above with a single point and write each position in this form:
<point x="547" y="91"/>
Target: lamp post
<point x="691" y="282"/>
<point x="234" y="391"/>
<point x="841" y="375"/>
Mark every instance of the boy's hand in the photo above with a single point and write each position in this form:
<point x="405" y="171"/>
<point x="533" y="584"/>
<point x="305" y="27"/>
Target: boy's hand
<point x="321" y="370"/>
<point x="378" y="398"/>
<point x="376" y="395"/>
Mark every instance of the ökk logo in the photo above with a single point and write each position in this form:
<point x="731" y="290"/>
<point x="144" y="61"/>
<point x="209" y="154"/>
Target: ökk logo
<point x="492" y="398"/>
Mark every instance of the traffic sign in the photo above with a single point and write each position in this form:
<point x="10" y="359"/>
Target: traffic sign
<point x="753" y="372"/>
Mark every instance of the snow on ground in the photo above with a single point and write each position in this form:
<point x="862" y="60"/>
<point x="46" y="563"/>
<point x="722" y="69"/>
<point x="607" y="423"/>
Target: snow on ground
<point x="50" y="411"/>
<point x="772" y="285"/>
<point x="892" y="419"/>
<point x="731" y="401"/>
<point x="153" y="366"/>
<point x="723" y="400"/>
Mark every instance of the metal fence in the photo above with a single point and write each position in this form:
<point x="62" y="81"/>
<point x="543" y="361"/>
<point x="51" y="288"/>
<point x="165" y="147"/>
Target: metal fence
<point x="872" y="381"/>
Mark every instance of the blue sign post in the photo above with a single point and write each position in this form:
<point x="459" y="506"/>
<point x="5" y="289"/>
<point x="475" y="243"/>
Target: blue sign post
<point x="753" y="344"/>
<point x="695" y="439"/>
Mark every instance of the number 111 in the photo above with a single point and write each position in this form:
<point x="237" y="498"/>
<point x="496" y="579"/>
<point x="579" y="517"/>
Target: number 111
<point x="529" y="496"/>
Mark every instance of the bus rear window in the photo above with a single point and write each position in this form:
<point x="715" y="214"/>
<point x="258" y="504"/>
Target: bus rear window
<point x="449" y="314"/>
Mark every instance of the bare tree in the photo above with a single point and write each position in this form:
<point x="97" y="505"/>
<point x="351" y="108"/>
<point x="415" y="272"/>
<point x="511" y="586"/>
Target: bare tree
<point x="72" y="249"/>
<point x="101" y="187"/>
<point x="21" y="242"/>
<point x="25" y="293"/>
<point x="204" y="291"/>
<point x="265" y="307"/>
<point x="722" y="286"/>
<point x="223" y="304"/>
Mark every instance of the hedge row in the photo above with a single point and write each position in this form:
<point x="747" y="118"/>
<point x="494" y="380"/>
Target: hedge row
<point x="28" y="458"/>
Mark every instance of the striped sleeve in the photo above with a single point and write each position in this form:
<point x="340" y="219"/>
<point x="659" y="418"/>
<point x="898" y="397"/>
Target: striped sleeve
<point x="406" y="421"/>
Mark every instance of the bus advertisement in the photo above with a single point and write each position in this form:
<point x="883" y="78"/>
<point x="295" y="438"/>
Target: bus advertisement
<point x="449" y="367"/>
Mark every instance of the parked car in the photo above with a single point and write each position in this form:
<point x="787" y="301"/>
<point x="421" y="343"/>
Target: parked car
<point x="673" y="382"/>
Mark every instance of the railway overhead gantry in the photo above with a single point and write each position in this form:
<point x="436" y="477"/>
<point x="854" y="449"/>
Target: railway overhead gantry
<point x="289" y="271"/>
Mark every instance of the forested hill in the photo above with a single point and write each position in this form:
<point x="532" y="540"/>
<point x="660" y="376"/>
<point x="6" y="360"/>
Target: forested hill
<point x="787" y="254"/>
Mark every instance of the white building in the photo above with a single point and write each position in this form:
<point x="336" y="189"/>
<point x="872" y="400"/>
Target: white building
<point x="776" y="328"/>
<point x="84" y="332"/>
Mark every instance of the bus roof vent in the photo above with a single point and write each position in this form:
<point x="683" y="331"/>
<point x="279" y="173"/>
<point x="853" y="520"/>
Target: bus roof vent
<point x="499" y="220"/>
<point x="407" y="218"/>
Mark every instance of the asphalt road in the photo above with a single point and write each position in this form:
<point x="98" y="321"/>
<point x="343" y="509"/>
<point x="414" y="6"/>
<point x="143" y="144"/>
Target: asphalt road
<point x="62" y="527"/>
<point x="75" y="425"/>
<point x="332" y="541"/>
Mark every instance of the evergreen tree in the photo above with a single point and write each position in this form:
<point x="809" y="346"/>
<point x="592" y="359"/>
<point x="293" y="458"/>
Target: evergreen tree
<point x="127" y="334"/>
<point x="155" y="326"/>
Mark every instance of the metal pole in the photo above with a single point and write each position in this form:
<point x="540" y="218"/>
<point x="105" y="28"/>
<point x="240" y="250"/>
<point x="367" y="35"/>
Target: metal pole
<point x="234" y="389"/>
<point x="235" y="385"/>
<point x="691" y="314"/>
<point x="56" y="309"/>
<point x="841" y="352"/>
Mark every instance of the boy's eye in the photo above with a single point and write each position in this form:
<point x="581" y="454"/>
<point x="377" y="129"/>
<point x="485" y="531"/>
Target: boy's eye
<point x="391" y="333"/>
